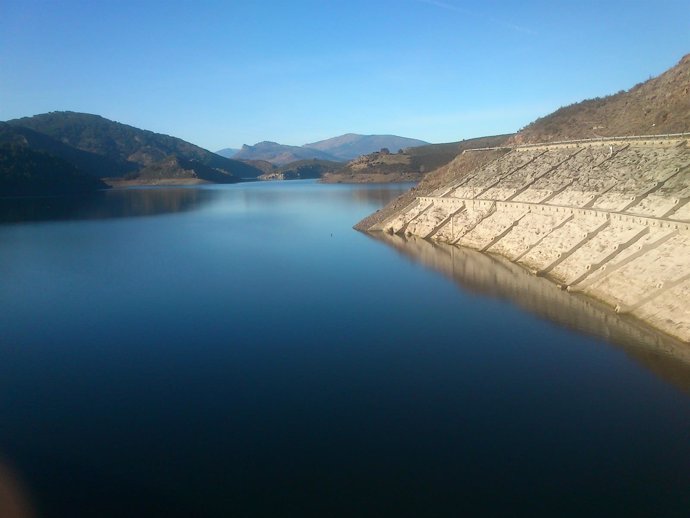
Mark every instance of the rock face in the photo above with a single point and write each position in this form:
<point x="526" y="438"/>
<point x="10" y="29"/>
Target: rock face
<point x="608" y="218"/>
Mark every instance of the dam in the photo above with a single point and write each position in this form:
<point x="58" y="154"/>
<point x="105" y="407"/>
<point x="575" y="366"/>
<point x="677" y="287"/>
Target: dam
<point x="607" y="218"/>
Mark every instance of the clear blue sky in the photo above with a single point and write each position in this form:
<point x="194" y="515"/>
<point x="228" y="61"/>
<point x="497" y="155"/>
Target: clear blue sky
<point x="221" y="74"/>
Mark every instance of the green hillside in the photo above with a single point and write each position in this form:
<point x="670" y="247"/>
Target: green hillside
<point x="25" y="172"/>
<point x="90" y="163"/>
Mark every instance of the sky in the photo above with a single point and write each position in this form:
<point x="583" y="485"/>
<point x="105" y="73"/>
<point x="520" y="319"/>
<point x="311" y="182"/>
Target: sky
<point x="226" y="73"/>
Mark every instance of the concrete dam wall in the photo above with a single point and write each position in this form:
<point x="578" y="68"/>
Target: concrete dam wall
<point x="610" y="219"/>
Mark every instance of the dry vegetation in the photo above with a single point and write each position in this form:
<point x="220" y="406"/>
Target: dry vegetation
<point x="658" y="106"/>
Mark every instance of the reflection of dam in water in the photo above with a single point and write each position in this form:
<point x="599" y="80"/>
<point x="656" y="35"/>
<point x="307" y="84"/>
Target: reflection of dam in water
<point x="496" y="277"/>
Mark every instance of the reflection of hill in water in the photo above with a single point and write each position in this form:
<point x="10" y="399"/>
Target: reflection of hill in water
<point x="380" y="195"/>
<point x="123" y="203"/>
<point x="488" y="275"/>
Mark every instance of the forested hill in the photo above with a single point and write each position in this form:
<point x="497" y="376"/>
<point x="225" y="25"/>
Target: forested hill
<point x="123" y="144"/>
<point x="90" y="163"/>
<point x="24" y="171"/>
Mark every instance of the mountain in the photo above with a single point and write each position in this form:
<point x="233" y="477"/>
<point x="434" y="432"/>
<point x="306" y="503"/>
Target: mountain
<point x="227" y="152"/>
<point x="279" y="154"/>
<point x="657" y="106"/>
<point x="351" y="145"/>
<point x="24" y="171"/>
<point x="410" y="165"/>
<point x="131" y="147"/>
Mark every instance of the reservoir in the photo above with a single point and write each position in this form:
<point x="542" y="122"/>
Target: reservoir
<point x="239" y="350"/>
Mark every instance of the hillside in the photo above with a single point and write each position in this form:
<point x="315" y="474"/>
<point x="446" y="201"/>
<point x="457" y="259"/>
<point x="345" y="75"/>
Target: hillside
<point x="90" y="163"/>
<point x="302" y="169"/>
<point x="412" y="164"/>
<point x="25" y="172"/>
<point x="174" y="167"/>
<point x="123" y="144"/>
<point x="351" y="145"/>
<point x="227" y="152"/>
<point x="262" y="165"/>
<point x="657" y="106"/>
<point x="279" y="154"/>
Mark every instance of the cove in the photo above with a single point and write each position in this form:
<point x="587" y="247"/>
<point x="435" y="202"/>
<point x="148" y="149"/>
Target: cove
<point x="239" y="350"/>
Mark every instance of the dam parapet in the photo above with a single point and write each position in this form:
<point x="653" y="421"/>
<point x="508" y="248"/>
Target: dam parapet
<point x="609" y="218"/>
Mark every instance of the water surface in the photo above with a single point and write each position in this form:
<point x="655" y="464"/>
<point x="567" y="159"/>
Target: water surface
<point x="240" y="351"/>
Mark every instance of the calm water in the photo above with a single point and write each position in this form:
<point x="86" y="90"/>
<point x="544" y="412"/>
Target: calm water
<point x="240" y="351"/>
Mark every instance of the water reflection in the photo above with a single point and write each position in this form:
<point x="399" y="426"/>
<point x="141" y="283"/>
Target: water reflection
<point x="380" y="194"/>
<point x="117" y="203"/>
<point x="488" y="275"/>
<point x="152" y="201"/>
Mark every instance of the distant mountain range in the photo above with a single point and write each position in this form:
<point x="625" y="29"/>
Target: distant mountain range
<point x="279" y="154"/>
<point x="351" y="145"/>
<point x="336" y="149"/>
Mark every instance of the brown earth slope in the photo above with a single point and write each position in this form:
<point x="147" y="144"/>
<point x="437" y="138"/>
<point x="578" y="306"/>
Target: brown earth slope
<point x="658" y="106"/>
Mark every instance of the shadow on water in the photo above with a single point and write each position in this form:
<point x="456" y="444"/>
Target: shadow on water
<point x="493" y="276"/>
<point x="116" y="203"/>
